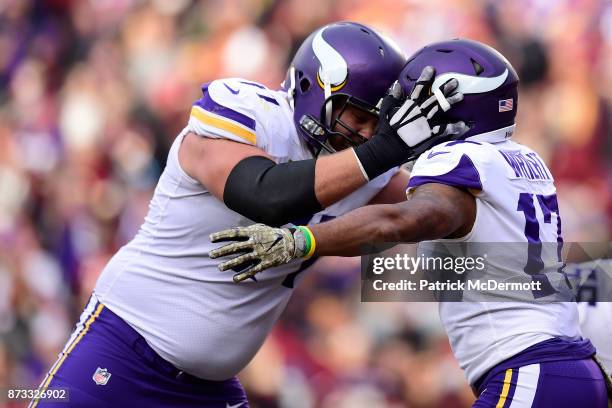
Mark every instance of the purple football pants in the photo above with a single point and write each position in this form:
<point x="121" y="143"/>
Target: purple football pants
<point x="556" y="384"/>
<point x="106" y="363"/>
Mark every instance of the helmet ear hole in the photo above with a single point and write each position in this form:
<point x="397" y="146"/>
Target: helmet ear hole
<point x="304" y="85"/>
<point x="478" y="69"/>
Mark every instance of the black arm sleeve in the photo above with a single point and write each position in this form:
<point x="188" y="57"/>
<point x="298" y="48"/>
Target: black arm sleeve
<point x="271" y="193"/>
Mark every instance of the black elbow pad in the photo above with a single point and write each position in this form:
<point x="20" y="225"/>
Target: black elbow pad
<point x="271" y="193"/>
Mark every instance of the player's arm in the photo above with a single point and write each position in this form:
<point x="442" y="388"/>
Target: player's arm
<point x="433" y="211"/>
<point x="243" y="175"/>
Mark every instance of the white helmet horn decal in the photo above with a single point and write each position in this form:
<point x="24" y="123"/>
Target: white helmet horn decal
<point x="333" y="69"/>
<point x="471" y="84"/>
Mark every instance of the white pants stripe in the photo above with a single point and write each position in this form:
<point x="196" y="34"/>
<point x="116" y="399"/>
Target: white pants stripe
<point x="526" y="386"/>
<point x="89" y="309"/>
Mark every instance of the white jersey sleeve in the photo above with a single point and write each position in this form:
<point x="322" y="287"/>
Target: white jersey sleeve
<point x="456" y="164"/>
<point x="225" y="112"/>
<point x="245" y="112"/>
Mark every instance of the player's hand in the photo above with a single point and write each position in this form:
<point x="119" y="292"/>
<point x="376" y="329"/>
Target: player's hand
<point x="406" y="128"/>
<point x="257" y="247"/>
<point x="419" y="118"/>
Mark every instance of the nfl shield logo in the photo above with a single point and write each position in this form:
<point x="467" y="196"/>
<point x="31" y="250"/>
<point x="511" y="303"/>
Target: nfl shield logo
<point x="101" y="376"/>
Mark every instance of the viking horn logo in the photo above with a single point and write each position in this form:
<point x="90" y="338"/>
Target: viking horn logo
<point x="333" y="68"/>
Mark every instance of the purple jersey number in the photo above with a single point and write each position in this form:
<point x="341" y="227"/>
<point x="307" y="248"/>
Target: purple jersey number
<point x="535" y="264"/>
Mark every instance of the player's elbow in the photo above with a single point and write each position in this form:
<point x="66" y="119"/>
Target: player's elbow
<point x="271" y="193"/>
<point x="437" y="223"/>
<point x="269" y="212"/>
<point x="393" y="225"/>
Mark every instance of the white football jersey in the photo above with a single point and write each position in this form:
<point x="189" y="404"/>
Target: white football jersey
<point x="595" y="305"/>
<point x="516" y="203"/>
<point x="163" y="283"/>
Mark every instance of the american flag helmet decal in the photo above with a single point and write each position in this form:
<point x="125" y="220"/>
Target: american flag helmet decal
<point x="506" y="105"/>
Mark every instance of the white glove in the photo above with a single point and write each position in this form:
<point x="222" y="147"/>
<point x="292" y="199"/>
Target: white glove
<point x="417" y="119"/>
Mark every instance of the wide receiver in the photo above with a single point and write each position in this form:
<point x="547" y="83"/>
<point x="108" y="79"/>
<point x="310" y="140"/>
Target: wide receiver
<point x="163" y="328"/>
<point x="482" y="188"/>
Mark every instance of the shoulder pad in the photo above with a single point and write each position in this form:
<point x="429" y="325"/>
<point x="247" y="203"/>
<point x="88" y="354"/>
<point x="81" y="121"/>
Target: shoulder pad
<point x="226" y="110"/>
<point x="456" y="163"/>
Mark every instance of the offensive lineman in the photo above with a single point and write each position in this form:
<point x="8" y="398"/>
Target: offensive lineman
<point x="481" y="188"/>
<point x="163" y="328"/>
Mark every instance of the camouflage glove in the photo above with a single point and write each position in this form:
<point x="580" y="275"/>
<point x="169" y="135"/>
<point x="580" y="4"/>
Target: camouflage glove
<point x="260" y="247"/>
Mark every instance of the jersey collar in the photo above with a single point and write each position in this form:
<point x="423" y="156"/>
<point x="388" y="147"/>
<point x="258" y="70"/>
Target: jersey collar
<point x="494" y="136"/>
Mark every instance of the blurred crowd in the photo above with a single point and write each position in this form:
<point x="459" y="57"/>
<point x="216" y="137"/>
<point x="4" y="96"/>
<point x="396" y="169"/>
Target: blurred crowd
<point x="93" y="92"/>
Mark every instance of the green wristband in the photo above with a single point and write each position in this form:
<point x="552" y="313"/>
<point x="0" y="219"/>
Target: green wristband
<point x="309" y="241"/>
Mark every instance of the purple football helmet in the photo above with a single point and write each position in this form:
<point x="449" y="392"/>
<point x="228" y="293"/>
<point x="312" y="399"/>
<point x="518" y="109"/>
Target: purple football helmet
<point x="486" y="78"/>
<point x="339" y="65"/>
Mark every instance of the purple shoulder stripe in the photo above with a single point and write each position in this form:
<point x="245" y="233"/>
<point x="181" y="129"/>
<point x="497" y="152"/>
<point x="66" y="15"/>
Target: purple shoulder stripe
<point x="209" y="105"/>
<point x="464" y="175"/>
<point x="268" y="99"/>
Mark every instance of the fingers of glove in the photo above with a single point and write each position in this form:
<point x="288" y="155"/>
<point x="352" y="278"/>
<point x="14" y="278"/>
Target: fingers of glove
<point x="252" y="271"/>
<point x="242" y="276"/>
<point x="396" y="90"/>
<point x="441" y="100"/>
<point x="392" y="99"/>
<point x="232" y="234"/>
<point x="449" y="86"/>
<point x="456" y="129"/>
<point x="402" y="112"/>
<point x="230" y="249"/>
<point x="429" y="103"/>
<point x="454" y="98"/>
<point x="388" y="103"/>
<point x="436" y="130"/>
<point x="424" y="81"/>
<point x="432" y="112"/>
<point x="237" y="261"/>
<point x="446" y="89"/>
<point x="451" y="100"/>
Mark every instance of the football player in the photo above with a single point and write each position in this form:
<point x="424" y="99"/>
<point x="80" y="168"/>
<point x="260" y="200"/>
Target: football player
<point x="163" y="327"/>
<point x="481" y="188"/>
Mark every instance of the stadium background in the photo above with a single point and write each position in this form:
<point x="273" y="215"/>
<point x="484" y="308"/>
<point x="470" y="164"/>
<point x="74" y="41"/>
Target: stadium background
<point x="93" y="92"/>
